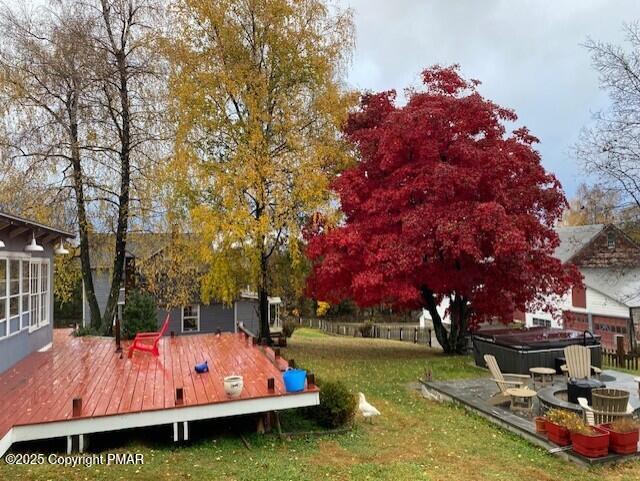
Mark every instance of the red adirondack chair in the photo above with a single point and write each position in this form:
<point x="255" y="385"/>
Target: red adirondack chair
<point x="148" y="341"/>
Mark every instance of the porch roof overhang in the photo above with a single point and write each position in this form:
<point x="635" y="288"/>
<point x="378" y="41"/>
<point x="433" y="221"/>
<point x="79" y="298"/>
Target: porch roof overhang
<point x="13" y="226"/>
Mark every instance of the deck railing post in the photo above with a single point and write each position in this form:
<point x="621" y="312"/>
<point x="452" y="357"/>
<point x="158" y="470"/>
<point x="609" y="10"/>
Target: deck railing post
<point x="76" y="407"/>
<point x="620" y="350"/>
<point x="311" y="379"/>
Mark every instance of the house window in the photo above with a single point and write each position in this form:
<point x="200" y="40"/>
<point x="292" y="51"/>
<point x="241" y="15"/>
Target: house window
<point x="611" y="240"/>
<point x="39" y="294"/>
<point x="24" y="309"/>
<point x="541" y="322"/>
<point x="14" y="296"/>
<point x="191" y="318"/>
<point x="34" y="314"/>
<point x="3" y="298"/>
<point x="44" y="293"/>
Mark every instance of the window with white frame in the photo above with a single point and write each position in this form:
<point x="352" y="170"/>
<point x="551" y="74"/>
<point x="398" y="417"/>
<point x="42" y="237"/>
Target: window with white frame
<point x="44" y="294"/>
<point x="14" y="295"/>
<point x="536" y="321"/>
<point x="25" y="289"/>
<point x="191" y="318"/>
<point x="3" y="298"/>
<point x="39" y="293"/>
<point x="33" y="316"/>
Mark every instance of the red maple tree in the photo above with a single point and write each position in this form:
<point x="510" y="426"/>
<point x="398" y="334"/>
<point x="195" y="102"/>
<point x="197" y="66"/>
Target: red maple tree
<point x="442" y="204"/>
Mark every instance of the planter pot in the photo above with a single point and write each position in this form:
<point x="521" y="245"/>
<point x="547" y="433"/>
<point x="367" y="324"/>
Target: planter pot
<point x="558" y="434"/>
<point x="622" y="443"/>
<point x="591" y="446"/>
<point x="233" y="385"/>
<point x="541" y="425"/>
<point x="294" y="380"/>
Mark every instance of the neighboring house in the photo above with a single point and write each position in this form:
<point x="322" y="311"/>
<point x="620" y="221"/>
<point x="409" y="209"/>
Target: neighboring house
<point x="26" y="281"/>
<point x="197" y="317"/>
<point x="610" y="264"/>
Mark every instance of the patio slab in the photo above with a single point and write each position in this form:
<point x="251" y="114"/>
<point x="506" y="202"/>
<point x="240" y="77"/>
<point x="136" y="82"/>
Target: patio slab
<point x="473" y="394"/>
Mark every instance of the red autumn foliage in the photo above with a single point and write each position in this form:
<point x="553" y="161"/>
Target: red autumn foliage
<point x="442" y="203"/>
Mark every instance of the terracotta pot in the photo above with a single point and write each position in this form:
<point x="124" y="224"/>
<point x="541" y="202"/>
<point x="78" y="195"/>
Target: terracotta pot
<point x="233" y="385"/>
<point x="593" y="446"/>
<point x="622" y="443"/>
<point x="541" y="425"/>
<point x="558" y="434"/>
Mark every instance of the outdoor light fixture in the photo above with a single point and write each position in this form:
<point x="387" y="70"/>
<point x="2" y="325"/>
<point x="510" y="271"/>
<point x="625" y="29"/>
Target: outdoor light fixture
<point x="1" y="244"/>
<point x="33" y="246"/>
<point x="61" y="250"/>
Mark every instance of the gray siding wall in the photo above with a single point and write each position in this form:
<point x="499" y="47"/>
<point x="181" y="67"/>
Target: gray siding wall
<point x="21" y="344"/>
<point x="101" y="285"/>
<point x="247" y="313"/>
<point x="215" y="316"/>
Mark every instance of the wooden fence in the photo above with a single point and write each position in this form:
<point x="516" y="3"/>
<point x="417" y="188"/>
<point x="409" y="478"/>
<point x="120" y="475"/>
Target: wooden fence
<point x="417" y="335"/>
<point x="628" y="360"/>
<point x="620" y="358"/>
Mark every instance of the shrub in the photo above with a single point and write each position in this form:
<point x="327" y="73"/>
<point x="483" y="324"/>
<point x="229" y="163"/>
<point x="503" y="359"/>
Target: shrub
<point x="337" y="405"/>
<point x="86" y="331"/>
<point x="562" y="417"/>
<point x="288" y="328"/>
<point x="579" y="426"/>
<point x="366" y="329"/>
<point x="625" y="425"/>
<point x="140" y="314"/>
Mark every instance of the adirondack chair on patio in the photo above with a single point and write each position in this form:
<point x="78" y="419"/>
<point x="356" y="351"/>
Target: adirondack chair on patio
<point x="504" y="381"/>
<point x="607" y="406"/>
<point x="579" y="362"/>
<point x="148" y="341"/>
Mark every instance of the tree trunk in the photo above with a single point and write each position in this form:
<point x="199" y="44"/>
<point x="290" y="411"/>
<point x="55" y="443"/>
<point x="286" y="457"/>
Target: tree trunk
<point x="123" y="198"/>
<point x="453" y="341"/>
<point x="264" y="333"/>
<point x="83" y="227"/>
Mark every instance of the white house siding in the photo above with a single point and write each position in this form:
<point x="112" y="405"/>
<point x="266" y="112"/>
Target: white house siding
<point x="425" y="318"/>
<point x="598" y="303"/>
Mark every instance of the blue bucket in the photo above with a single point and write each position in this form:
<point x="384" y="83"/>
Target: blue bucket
<point x="294" y="380"/>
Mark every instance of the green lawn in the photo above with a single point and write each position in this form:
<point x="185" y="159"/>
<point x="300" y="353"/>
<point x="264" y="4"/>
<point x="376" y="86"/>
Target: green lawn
<point x="414" y="439"/>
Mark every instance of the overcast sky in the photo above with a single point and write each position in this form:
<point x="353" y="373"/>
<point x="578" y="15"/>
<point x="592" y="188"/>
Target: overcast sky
<point x="527" y="54"/>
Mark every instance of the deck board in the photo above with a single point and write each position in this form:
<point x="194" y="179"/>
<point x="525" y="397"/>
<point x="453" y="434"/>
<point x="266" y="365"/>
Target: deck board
<point x="41" y="387"/>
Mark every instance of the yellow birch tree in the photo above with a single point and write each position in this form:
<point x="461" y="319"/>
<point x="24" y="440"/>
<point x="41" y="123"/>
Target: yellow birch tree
<point x="259" y="102"/>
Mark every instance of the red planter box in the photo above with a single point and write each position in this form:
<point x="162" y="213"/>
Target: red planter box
<point x="622" y="443"/>
<point x="558" y="434"/>
<point x="591" y="446"/>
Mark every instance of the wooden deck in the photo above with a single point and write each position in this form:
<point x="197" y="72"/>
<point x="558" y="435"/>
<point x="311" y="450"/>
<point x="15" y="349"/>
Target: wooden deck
<point x="37" y="393"/>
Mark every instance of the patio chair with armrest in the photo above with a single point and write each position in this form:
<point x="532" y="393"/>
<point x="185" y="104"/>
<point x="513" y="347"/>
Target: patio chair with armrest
<point x="607" y="406"/>
<point x="148" y="341"/>
<point x="579" y="363"/>
<point x="504" y="381"/>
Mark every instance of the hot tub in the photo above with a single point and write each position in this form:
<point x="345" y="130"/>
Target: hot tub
<point x="517" y="350"/>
